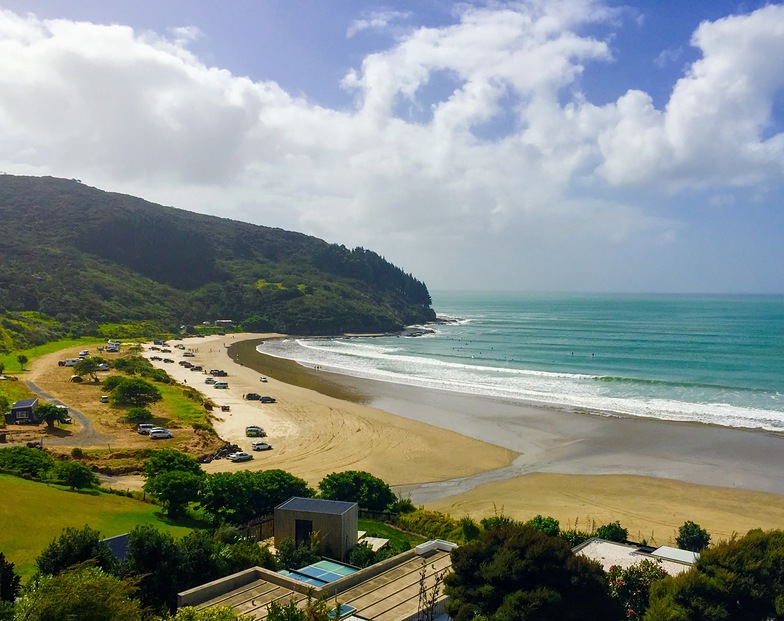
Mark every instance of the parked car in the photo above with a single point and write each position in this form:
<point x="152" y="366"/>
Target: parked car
<point x="155" y="358"/>
<point x="209" y="380"/>
<point x="254" y="431"/>
<point x="160" y="434"/>
<point x="104" y="398"/>
<point x="103" y="366"/>
<point x="168" y="360"/>
<point x="266" y="399"/>
<point x="197" y="367"/>
<point x="262" y="379"/>
<point x="189" y="354"/>
<point x="240" y="456"/>
<point x="144" y="428"/>
<point x="259" y="445"/>
<point x="220" y="385"/>
<point x="253" y="396"/>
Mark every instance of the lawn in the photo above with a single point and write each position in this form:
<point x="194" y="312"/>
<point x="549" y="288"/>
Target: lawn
<point x="33" y="514"/>
<point x="12" y="365"/>
<point x="374" y="528"/>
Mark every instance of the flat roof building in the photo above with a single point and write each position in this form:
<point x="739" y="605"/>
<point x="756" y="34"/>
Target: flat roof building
<point x="335" y="521"/>
<point x="608" y="553"/>
<point x="387" y="591"/>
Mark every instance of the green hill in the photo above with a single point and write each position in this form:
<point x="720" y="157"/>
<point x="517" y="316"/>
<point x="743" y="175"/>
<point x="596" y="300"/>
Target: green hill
<point x="84" y="257"/>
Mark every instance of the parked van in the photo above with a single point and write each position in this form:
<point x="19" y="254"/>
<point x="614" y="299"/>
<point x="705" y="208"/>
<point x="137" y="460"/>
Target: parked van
<point x="221" y="385"/>
<point x="68" y="362"/>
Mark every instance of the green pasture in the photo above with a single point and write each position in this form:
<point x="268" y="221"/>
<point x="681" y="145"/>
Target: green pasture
<point x="33" y="514"/>
<point x="12" y="365"/>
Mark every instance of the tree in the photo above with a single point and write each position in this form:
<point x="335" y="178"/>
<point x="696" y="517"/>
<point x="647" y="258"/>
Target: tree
<point x="548" y="525"/>
<point x="51" y="414"/>
<point x="9" y="580"/>
<point x="138" y="415"/>
<point x="741" y="579"/>
<point x="2" y="367"/>
<point x="89" y="366"/>
<point x="87" y="594"/>
<point x="612" y="532"/>
<point x="24" y="460"/>
<point x="357" y="486"/>
<point x="174" y="489"/>
<point x="155" y="559"/>
<point x="692" y="537"/>
<point x="293" y="556"/>
<point x="240" y="496"/>
<point x="168" y="460"/>
<point x="136" y="392"/>
<point x="518" y="573"/>
<point x="74" y="475"/>
<point x="22" y="360"/>
<point x="631" y="587"/>
<point x="74" y="546"/>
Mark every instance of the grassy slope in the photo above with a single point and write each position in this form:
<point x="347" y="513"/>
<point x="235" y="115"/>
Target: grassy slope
<point x="38" y="513"/>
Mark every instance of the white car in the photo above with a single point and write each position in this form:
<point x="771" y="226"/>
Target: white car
<point x="262" y="379"/>
<point x="240" y="456"/>
<point x="160" y="434"/>
<point x="209" y="380"/>
<point x="260" y="446"/>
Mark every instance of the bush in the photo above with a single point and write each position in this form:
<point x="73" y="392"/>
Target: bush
<point x="357" y="486"/>
<point x="692" y="537"/>
<point x="431" y="524"/>
<point x="612" y="532"/>
<point x="73" y="546"/>
<point x="631" y="587"/>
<point x="22" y="460"/>
<point x="138" y="415"/>
<point x="74" y="475"/>
<point x="548" y="525"/>
<point x="77" y="452"/>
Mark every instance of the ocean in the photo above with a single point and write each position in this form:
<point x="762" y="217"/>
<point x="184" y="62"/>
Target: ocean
<point x="712" y="359"/>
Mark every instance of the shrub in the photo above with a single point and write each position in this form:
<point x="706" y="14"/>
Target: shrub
<point x="26" y="461"/>
<point x="366" y="490"/>
<point x="74" y="475"/>
<point x="631" y="587"/>
<point x="692" y="537"/>
<point x="77" y="452"/>
<point x="612" y="532"/>
<point x="431" y="524"/>
<point x="138" y="415"/>
<point x="73" y="546"/>
<point x="548" y="525"/>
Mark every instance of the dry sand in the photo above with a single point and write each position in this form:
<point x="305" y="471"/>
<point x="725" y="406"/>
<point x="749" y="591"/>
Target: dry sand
<point x="314" y="434"/>
<point x="428" y="447"/>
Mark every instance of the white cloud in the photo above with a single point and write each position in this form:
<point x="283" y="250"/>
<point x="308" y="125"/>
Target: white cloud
<point x="376" y="20"/>
<point x="138" y="112"/>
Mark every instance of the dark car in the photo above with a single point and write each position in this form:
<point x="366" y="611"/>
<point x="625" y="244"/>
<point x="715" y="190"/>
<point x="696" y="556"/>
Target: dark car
<point x="168" y="360"/>
<point x="253" y="396"/>
<point x="197" y="367"/>
<point x="266" y="399"/>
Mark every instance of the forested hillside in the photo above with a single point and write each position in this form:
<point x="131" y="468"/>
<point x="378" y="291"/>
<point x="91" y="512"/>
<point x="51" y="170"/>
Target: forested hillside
<point x="83" y="257"/>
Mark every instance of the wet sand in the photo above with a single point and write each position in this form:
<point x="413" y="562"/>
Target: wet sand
<point x="472" y="454"/>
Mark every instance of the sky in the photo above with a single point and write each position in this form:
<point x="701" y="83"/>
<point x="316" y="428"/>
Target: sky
<point x="539" y="145"/>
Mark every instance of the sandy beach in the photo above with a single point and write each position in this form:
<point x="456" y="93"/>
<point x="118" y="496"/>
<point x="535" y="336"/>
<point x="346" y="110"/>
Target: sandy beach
<point x="472" y="455"/>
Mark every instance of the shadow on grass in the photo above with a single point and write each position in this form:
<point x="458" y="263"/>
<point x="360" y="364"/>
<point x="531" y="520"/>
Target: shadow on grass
<point x="187" y="521"/>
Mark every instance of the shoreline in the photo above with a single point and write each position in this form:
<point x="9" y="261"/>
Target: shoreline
<point x="562" y="441"/>
<point x="461" y="453"/>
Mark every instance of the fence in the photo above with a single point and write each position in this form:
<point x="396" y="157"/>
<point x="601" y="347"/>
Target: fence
<point x="260" y="528"/>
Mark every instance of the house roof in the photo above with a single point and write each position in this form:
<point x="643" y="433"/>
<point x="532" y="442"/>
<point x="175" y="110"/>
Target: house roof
<point x="609" y="553"/>
<point x="24" y="403"/>
<point x="317" y="505"/>
<point x="676" y="554"/>
<point x="387" y="591"/>
<point x="118" y="545"/>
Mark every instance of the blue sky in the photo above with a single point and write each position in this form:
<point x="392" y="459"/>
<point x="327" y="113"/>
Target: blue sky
<point x="561" y="145"/>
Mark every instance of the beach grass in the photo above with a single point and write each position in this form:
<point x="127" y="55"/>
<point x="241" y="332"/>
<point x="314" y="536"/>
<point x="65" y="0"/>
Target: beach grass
<point x="40" y="511"/>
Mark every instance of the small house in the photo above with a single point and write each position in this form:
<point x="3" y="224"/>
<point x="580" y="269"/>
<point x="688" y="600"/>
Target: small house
<point x="335" y="521"/>
<point x="23" y="413"/>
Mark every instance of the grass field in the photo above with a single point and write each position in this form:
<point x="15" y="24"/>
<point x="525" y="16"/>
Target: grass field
<point x="33" y="514"/>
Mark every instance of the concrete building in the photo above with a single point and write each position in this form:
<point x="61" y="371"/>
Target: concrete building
<point x="387" y="591"/>
<point x="335" y="521"/>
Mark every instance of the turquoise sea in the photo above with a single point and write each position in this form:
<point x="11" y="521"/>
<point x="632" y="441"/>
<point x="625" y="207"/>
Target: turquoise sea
<point x="714" y="359"/>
